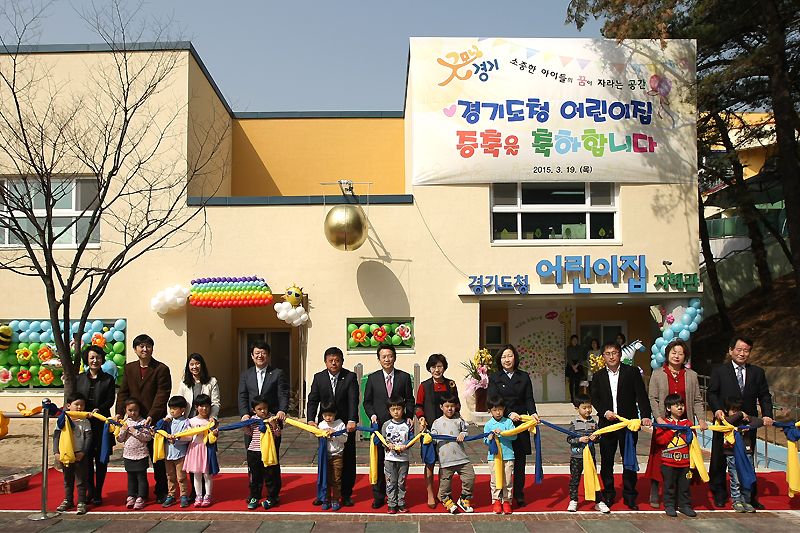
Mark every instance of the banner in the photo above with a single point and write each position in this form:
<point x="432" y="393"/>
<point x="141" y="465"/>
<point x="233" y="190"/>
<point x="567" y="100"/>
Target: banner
<point x="511" y="110"/>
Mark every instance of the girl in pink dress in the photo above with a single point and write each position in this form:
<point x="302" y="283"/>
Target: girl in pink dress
<point x="196" y="461"/>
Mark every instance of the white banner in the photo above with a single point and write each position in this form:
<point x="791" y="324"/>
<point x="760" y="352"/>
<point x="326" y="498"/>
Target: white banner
<point x="509" y="110"/>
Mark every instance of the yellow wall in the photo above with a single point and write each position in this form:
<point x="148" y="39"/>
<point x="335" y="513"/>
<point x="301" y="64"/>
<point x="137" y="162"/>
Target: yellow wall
<point x="291" y="157"/>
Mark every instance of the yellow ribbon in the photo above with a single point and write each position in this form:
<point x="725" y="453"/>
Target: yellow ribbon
<point x="269" y="455"/>
<point x="66" y="444"/>
<point x="792" y="467"/>
<point x="160" y="437"/>
<point x="528" y="424"/>
<point x="591" y="481"/>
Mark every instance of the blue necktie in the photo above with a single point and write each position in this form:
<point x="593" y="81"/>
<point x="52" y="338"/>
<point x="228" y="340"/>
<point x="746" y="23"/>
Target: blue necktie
<point x="740" y="377"/>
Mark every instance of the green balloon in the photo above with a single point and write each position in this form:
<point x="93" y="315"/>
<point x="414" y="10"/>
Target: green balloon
<point x="57" y="382"/>
<point x="119" y="370"/>
<point x="365" y="327"/>
<point x="34" y="347"/>
<point x="373" y="341"/>
<point x="119" y="347"/>
<point x="351" y="342"/>
<point x="408" y="325"/>
<point x="109" y="356"/>
<point x="108" y="348"/>
<point x="408" y="342"/>
<point x="12" y="349"/>
<point x="3" y="358"/>
<point x="396" y="340"/>
<point x="13" y="382"/>
<point x="119" y="381"/>
<point x="373" y="327"/>
<point x="35" y="381"/>
<point x="21" y="345"/>
<point x="34" y="370"/>
<point x="351" y="328"/>
<point x="14" y="369"/>
<point x="394" y="327"/>
<point x="119" y="359"/>
<point x="365" y="343"/>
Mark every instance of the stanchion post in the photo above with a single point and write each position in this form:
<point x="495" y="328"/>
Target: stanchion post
<point x="45" y="514"/>
<point x="417" y="377"/>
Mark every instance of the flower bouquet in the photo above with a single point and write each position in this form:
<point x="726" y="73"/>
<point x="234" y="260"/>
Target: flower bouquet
<point x="478" y="370"/>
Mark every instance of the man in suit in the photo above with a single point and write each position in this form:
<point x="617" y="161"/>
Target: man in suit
<point x="270" y="382"/>
<point x="149" y="381"/>
<point x="341" y="385"/>
<point x="618" y="390"/>
<point x="748" y="382"/>
<point x="388" y="381"/>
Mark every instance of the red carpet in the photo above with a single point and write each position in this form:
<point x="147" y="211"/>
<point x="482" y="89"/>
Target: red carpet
<point x="230" y="491"/>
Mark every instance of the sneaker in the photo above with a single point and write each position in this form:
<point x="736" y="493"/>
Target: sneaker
<point x="130" y="502"/>
<point x="451" y="507"/>
<point x="402" y="509"/>
<point x="266" y="504"/>
<point x="391" y="510"/>
<point x="207" y="500"/>
<point x="66" y="504"/>
<point x="602" y="507"/>
<point x="139" y="504"/>
<point x="81" y="508"/>
<point x="688" y="511"/>
<point x="670" y="510"/>
<point x="169" y="502"/>
<point x="325" y="505"/>
<point x="252" y="503"/>
<point x="185" y="502"/>
<point x="507" y="508"/>
<point x="749" y="508"/>
<point x="198" y="501"/>
<point x="573" y="506"/>
<point x="335" y="506"/>
<point x="464" y="505"/>
<point x="739" y="507"/>
<point x="497" y="507"/>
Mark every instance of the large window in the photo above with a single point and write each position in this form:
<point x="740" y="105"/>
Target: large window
<point x="527" y="212"/>
<point x="73" y="200"/>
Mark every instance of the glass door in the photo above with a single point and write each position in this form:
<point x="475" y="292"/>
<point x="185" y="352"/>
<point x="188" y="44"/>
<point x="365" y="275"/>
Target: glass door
<point x="280" y="343"/>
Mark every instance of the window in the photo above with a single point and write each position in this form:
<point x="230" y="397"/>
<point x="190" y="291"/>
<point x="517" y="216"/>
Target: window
<point x="70" y="197"/>
<point x="494" y="336"/>
<point x="527" y="212"/>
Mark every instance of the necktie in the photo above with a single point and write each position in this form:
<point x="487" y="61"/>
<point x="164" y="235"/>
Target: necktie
<point x="333" y="384"/>
<point x="261" y="379"/>
<point x="389" y="385"/>
<point x="740" y="377"/>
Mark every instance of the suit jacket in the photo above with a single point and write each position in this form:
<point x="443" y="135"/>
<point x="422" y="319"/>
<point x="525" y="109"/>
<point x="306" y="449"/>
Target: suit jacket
<point x="153" y="390"/>
<point x="632" y="397"/>
<point x="659" y="389"/>
<point x="346" y="397"/>
<point x="375" y="396"/>
<point x="275" y="388"/>
<point x="517" y="391"/>
<point x="103" y="395"/>
<point x="756" y="390"/>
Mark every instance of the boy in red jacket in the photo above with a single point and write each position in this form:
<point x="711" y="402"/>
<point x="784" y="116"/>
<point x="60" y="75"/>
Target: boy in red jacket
<point x="675" y="459"/>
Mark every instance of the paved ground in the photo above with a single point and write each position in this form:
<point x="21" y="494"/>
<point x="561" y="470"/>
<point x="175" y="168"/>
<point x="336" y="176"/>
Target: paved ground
<point x="645" y="522"/>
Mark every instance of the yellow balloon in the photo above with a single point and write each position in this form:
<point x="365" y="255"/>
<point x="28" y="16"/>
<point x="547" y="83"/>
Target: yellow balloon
<point x="346" y="227"/>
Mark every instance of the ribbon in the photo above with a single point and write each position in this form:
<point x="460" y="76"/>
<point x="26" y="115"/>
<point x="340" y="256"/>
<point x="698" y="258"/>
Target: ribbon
<point x="66" y="443"/>
<point x="322" y="464"/>
<point x="744" y="467"/>
<point x="163" y="430"/>
<point x="790" y="429"/>
<point x="591" y="481"/>
<point x="629" y="461"/>
<point x="695" y="453"/>
<point x="269" y="456"/>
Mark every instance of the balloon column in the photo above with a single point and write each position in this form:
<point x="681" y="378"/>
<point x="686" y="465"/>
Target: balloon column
<point x="31" y="359"/>
<point x="291" y="311"/>
<point x="169" y="298"/>
<point x="230" y="292"/>
<point x="676" y="328"/>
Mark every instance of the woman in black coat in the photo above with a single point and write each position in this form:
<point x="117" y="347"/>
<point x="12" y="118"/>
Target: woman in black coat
<point x="514" y="386"/>
<point x="98" y="387"/>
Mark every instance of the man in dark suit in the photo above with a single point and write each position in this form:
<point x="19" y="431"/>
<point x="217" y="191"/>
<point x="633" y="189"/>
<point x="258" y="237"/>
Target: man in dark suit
<point x="388" y="381"/>
<point x="271" y="383"/>
<point x="341" y="385"/>
<point x="149" y="381"/>
<point x="748" y="382"/>
<point x="618" y="390"/>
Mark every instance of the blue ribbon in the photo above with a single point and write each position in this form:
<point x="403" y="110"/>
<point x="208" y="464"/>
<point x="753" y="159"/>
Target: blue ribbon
<point x="322" y="465"/>
<point x="240" y="424"/>
<point x="675" y="427"/>
<point x="744" y="468"/>
<point x="213" y="464"/>
<point x="791" y="431"/>
<point x="629" y="462"/>
<point x="107" y="446"/>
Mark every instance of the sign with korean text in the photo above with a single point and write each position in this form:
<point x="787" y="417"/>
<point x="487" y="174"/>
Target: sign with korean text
<point x="509" y="110"/>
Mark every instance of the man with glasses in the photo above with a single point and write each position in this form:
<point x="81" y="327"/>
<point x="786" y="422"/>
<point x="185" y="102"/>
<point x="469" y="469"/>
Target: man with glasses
<point x="618" y="390"/>
<point x="749" y="382"/>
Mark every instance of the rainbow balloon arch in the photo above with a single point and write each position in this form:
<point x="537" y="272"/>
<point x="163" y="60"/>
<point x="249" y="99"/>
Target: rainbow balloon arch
<point x="226" y="292"/>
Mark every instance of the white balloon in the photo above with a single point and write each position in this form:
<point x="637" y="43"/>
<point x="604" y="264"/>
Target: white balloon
<point x="168" y="291"/>
<point x="177" y="288"/>
<point x="162" y="309"/>
<point x="292" y="313"/>
<point x="161" y="296"/>
<point x="277" y="307"/>
<point x="282" y="315"/>
<point x="180" y="301"/>
<point x="154" y="302"/>
<point x="304" y="318"/>
<point x="186" y="292"/>
<point x="300" y="310"/>
<point x="170" y="299"/>
<point x="297" y="322"/>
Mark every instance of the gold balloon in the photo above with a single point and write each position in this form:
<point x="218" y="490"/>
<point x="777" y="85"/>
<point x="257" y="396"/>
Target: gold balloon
<point x="346" y="227"/>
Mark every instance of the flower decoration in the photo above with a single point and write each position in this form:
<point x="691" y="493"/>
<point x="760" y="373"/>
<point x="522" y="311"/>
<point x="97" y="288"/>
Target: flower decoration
<point x="46" y="376"/>
<point x="5" y="376"/>
<point x="24" y="376"/>
<point x="45" y="353"/>
<point x="359" y="335"/>
<point x="663" y="311"/>
<point x="404" y="332"/>
<point x="452" y="384"/>
<point x="24" y="356"/>
<point x="379" y="334"/>
<point x="670" y="319"/>
<point x="478" y="370"/>
<point x="98" y="340"/>
<point x="597" y="363"/>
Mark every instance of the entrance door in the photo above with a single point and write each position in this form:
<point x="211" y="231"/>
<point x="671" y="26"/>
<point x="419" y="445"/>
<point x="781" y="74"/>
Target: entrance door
<point x="280" y="343"/>
<point x="602" y="331"/>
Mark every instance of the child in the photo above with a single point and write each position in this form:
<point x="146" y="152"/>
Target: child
<point x="740" y="496"/>
<point x="501" y="496"/>
<point x="331" y="424"/>
<point x="196" y="460"/>
<point x="397" y="432"/>
<point x="135" y="453"/>
<point x="452" y="456"/>
<point x="584" y="425"/>
<point x="76" y="473"/>
<point x="178" y="485"/>
<point x="260" y="475"/>
<point x="675" y="459"/>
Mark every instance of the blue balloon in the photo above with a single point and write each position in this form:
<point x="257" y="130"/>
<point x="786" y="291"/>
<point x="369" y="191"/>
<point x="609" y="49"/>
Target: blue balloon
<point x="15" y="337"/>
<point x="87" y="328"/>
<point x="97" y="326"/>
<point x="654" y="349"/>
<point x="23" y="337"/>
<point x="46" y="325"/>
<point x="110" y="368"/>
<point x="676" y="326"/>
<point x="684" y="334"/>
<point x="119" y="336"/>
<point x="87" y="337"/>
<point x="14" y="324"/>
<point x="701" y="310"/>
<point x="686" y="319"/>
<point x="108" y="335"/>
<point x="654" y="364"/>
<point x="695" y="302"/>
<point x="46" y="336"/>
<point x="35" y="326"/>
<point x="120" y="324"/>
<point x="660" y="359"/>
<point x="692" y="327"/>
<point x="698" y="319"/>
<point x="33" y="336"/>
<point x="691" y="311"/>
<point x="667" y="335"/>
<point x="74" y="327"/>
<point x="660" y="342"/>
<point x="24" y="325"/>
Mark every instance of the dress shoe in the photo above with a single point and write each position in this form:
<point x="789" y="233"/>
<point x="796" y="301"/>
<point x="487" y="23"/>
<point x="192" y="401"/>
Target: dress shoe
<point x="719" y="504"/>
<point x="632" y="505"/>
<point x="520" y="502"/>
<point x="670" y="511"/>
<point x="378" y="503"/>
<point x="317" y="501"/>
<point x="348" y="502"/>
<point x="757" y="504"/>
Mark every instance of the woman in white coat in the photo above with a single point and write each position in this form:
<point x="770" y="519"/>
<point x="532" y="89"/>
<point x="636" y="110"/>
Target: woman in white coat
<point x="196" y="381"/>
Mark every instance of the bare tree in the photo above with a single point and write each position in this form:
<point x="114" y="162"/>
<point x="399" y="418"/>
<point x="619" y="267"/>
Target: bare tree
<point x="97" y="163"/>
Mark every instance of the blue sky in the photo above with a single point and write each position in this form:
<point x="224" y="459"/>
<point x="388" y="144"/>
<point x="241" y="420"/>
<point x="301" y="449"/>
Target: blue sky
<point x="322" y="55"/>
